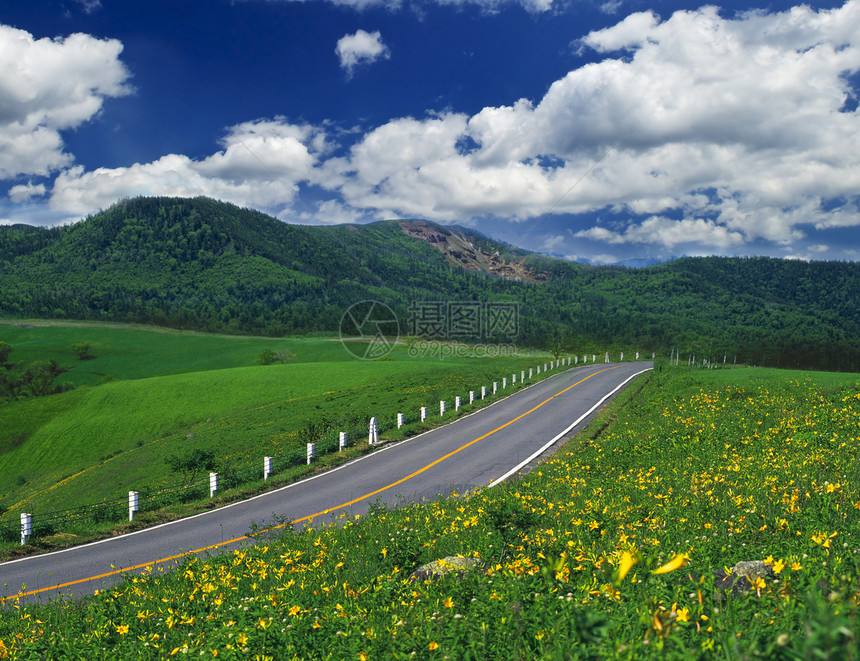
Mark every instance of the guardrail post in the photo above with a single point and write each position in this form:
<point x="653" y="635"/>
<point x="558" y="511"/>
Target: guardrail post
<point x="267" y="467"/>
<point x="133" y="504"/>
<point x="341" y="441"/>
<point x="213" y="484"/>
<point x="372" y="433"/>
<point x="26" y="527"/>
<point x="399" y="420"/>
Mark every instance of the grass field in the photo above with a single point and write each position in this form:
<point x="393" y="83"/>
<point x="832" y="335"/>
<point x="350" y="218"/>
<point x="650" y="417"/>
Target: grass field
<point x="128" y="352"/>
<point x="95" y="443"/>
<point x="615" y="548"/>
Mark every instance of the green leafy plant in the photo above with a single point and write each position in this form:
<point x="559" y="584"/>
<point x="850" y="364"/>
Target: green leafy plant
<point x="192" y="463"/>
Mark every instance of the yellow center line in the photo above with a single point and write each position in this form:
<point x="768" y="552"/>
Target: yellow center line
<point x="308" y="517"/>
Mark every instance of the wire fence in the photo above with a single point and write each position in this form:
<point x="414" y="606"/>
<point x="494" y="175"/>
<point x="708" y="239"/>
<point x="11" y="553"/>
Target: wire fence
<point x="115" y="510"/>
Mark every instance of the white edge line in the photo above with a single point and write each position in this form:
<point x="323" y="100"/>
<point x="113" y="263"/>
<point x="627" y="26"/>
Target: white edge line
<point x="539" y="452"/>
<point x="265" y="494"/>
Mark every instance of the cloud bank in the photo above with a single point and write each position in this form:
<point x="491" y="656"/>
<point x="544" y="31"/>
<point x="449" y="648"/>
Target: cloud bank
<point x="490" y="6"/>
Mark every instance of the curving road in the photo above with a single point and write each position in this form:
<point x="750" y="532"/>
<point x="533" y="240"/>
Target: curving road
<point x="477" y="450"/>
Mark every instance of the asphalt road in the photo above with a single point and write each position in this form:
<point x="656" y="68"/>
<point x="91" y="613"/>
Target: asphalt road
<point x="477" y="450"/>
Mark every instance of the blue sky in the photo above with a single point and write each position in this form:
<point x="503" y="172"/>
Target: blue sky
<point x="596" y="130"/>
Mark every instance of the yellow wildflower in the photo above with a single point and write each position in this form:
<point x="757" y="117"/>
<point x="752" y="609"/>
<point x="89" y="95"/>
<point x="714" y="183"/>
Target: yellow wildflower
<point x="677" y="562"/>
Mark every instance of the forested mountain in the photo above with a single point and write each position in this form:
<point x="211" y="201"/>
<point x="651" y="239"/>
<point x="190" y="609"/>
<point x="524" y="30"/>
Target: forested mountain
<point x="207" y="265"/>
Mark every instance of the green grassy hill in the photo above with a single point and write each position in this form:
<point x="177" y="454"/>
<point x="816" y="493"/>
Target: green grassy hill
<point x="171" y="392"/>
<point x="204" y="265"/>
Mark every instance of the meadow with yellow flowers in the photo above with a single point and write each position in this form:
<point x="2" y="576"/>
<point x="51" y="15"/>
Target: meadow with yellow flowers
<point x="625" y="544"/>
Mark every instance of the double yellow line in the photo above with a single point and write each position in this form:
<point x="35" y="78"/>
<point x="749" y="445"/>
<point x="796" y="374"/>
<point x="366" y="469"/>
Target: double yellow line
<point x="304" y="518"/>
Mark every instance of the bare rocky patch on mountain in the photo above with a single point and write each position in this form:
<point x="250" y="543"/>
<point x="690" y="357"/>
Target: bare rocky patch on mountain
<point x="462" y="252"/>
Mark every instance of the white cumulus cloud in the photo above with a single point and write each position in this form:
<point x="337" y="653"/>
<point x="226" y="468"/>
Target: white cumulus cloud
<point x="738" y="124"/>
<point x="261" y="165"/>
<point x="360" y="48"/>
<point x="46" y="86"/>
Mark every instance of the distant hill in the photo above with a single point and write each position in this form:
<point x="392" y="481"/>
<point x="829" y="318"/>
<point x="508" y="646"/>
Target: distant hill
<point x="207" y="265"/>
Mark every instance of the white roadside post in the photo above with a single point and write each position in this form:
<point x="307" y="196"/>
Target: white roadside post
<point x="26" y="526"/>
<point x="471" y="397"/>
<point x="267" y="468"/>
<point x="457" y="403"/>
<point x="495" y="386"/>
<point x="311" y="452"/>
<point x="213" y="484"/>
<point x="341" y="441"/>
<point x="372" y="433"/>
<point x="483" y="392"/>
<point x="504" y="382"/>
<point x="637" y="355"/>
<point x="522" y="376"/>
<point x="513" y="379"/>
<point x="399" y="420"/>
<point x="593" y="357"/>
<point x="606" y="360"/>
<point x="133" y="504"/>
<point x="441" y="407"/>
<point x="622" y="356"/>
<point x="423" y="413"/>
<point x="531" y="372"/>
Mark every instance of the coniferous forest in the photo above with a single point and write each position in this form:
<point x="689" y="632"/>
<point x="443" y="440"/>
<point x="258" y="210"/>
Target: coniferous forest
<point x="206" y="265"/>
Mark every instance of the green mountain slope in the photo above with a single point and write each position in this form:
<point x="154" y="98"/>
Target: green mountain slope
<point x="206" y="265"/>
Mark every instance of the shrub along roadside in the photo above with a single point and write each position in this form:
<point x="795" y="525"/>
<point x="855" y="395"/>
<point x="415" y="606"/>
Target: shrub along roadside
<point x="611" y="549"/>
